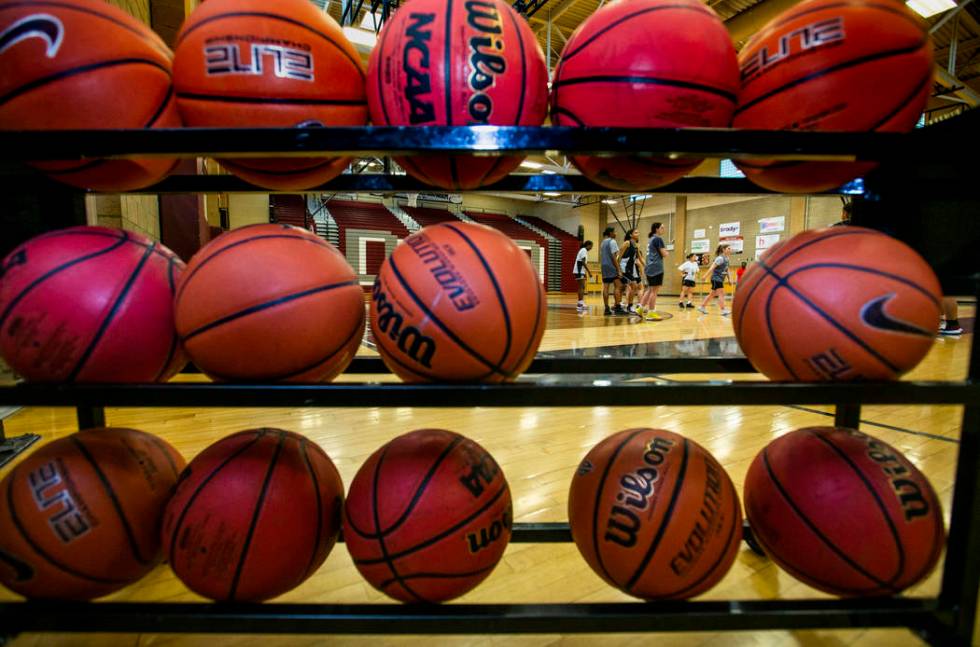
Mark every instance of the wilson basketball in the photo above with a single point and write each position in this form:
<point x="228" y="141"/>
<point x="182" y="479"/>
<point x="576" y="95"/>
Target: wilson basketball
<point x="662" y="64"/>
<point x="654" y="514"/>
<point x="458" y="302"/>
<point x="254" y="515"/>
<point x="265" y="63"/>
<point x="270" y="302"/>
<point x="844" y="512"/>
<point x="66" y="64"/>
<point x="457" y="64"/>
<point x="844" y="303"/>
<point x="825" y="65"/>
<point x="428" y="516"/>
<point x="81" y="515"/>
<point x="90" y="304"/>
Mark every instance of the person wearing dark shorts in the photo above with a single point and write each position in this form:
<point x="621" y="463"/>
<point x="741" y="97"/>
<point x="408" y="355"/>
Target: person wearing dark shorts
<point x="654" y="270"/>
<point x="628" y="258"/>
<point x="580" y="270"/>
<point x="719" y="272"/>
<point x="608" y="250"/>
<point x="689" y="269"/>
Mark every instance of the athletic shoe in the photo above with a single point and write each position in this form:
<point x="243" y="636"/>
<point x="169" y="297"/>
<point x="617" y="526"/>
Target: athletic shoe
<point x="689" y="305"/>
<point x="652" y="316"/>
<point x="953" y="332"/>
<point x="681" y="305"/>
<point x="618" y="310"/>
<point x="607" y="312"/>
<point x="640" y="310"/>
<point x="702" y="310"/>
<point x="725" y="313"/>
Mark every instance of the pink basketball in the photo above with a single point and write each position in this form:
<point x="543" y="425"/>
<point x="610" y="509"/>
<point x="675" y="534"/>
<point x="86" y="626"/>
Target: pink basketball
<point x="90" y="304"/>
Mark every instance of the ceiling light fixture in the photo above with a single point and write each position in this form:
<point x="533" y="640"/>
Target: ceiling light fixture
<point x="926" y="8"/>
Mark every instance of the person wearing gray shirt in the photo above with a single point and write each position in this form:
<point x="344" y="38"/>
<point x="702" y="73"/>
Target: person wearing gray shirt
<point x="608" y="250"/>
<point x="719" y="272"/>
<point x="654" y="270"/>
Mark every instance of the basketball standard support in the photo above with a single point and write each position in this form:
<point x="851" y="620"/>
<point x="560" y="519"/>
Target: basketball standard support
<point x="89" y="417"/>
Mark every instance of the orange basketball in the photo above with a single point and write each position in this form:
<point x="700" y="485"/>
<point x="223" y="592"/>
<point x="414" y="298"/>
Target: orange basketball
<point x="446" y="63"/>
<point x="650" y="64"/>
<point x="428" y="516"/>
<point x="844" y="512"/>
<point x="81" y="515"/>
<point x="457" y="302"/>
<point x="76" y="64"/>
<point x="864" y="65"/>
<point x="259" y="63"/>
<point x="255" y="514"/>
<point x="654" y="514"/>
<point x="844" y="303"/>
<point x="270" y="302"/>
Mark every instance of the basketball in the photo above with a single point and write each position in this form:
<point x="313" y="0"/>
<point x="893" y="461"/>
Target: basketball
<point x="844" y="512"/>
<point x="457" y="302"/>
<point x="90" y="304"/>
<point x="457" y="64"/>
<point x="270" y="302"/>
<point x="66" y="63"/>
<point x="266" y="63"/>
<point x="81" y="515"/>
<point x="837" y="304"/>
<point x="428" y="516"/>
<point x="254" y="515"/>
<point x="827" y="65"/>
<point x="654" y="514"/>
<point x="662" y="64"/>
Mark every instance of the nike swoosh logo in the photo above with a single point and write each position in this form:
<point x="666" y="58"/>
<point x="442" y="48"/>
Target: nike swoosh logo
<point x="873" y="313"/>
<point x="40" y="25"/>
<point x="22" y="570"/>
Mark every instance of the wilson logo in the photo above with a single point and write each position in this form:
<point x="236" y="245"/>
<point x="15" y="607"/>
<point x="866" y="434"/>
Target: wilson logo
<point x="485" y="61"/>
<point x="635" y="490"/>
<point x="416" y="346"/>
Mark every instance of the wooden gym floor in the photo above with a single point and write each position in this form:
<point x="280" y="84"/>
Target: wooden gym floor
<point x="538" y="449"/>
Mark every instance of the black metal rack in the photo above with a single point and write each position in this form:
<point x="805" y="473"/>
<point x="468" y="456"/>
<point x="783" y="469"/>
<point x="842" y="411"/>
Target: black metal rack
<point x="908" y="191"/>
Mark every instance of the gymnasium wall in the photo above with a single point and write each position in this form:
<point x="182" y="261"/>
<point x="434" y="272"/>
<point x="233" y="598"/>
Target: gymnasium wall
<point x="247" y="209"/>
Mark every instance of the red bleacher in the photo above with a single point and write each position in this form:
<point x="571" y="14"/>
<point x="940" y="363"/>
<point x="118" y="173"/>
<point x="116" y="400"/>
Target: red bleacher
<point x="290" y="209"/>
<point x="426" y="216"/>
<point x="569" y="250"/>
<point x="365" y="215"/>
<point x="515" y="230"/>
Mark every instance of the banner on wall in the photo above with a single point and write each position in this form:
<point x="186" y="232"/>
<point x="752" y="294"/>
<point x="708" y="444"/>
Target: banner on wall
<point x="700" y="246"/>
<point x="737" y="243"/>
<point x="766" y="241"/>
<point x="769" y="225"/>
<point x="729" y="229"/>
<point x="699" y="233"/>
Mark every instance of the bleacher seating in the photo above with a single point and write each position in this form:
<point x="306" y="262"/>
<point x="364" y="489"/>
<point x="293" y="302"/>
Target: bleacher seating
<point x="569" y="250"/>
<point x="290" y="209"/>
<point x="426" y="216"/>
<point x="368" y="232"/>
<point x="517" y="231"/>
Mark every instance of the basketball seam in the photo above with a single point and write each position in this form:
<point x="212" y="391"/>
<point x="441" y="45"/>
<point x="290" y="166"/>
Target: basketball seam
<point x="773" y="339"/>
<point x="787" y="254"/>
<point x="447" y="67"/>
<point x="83" y="165"/>
<point x="208" y="259"/>
<point x="390" y="355"/>
<point x="442" y="326"/>
<point x="419" y="576"/>
<point x="854" y="62"/>
<point x="664" y="521"/>
<point x="380" y="77"/>
<point x="40" y="3"/>
<point x="496" y="289"/>
<point x="436" y="538"/>
<point x="266" y="305"/>
<point x="37" y="549"/>
<point x="385" y="558"/>
<point x="816" y="531"/>
<point x="76" y="71"/>
<point x="490" y="170"/>
<point x="259" y="433"/>
<point x="453" y="173"/>
<point x="166" y="454"/>
<point x="120" y="240"/>
<point x="319" y="509"/>
<point x="597" y="500"/>
<point x="783" y="283"/>
<point x="422" y="175"/>
<point x="272" y="16"/>
<point x="163" y="106"/>
<point x="419" y="491"/>
<point x="244" y="167"/>
<point x="520" y="42"/>
<point x="629" y="17"/>
<point x="646" y="80"/>
<point x="174" y="340"/>
<point x="558" y="110"/>
<point x="926" y="82"/>
<point x="728" y="541"/>
<point x="110" y="316"/>
<point x="881" y="505"/>
<point x="113" y="498"/>
<point x="868" y="270"/>
<point x="255" y="517"/>
<point x="159" y="250"/>
<point x="782" y="20"/>
<point x="219" y="98"/>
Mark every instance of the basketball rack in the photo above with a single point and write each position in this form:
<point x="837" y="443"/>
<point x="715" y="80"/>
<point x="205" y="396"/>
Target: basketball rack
<point x="931" y="203"/>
